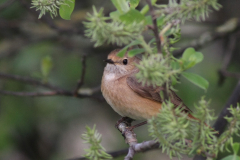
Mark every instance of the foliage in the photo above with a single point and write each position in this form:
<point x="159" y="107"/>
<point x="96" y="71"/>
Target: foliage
<point x="96" y="151"/>
<point x="52" y="6"/>
<point x="178" y="134"/>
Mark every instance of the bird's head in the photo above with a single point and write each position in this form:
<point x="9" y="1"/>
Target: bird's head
<point x="120" y="65"/>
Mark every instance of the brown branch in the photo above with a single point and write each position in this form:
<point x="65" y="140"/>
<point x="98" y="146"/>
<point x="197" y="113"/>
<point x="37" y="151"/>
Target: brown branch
<point x="131" y="140"/>
<point x="28" y="80"/>
<point x="81" y="81"/>
<point x="223" y="73"/>
<point x="154" y="27"/>
<point x="114" y="154"/>
<point x="49" y="93"/>
<point x="207" y="38"/>
<point x="56" y="91"/>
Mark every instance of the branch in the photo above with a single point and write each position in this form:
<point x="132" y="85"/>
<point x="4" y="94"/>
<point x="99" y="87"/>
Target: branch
<point x="131" y="140"/>
<point x="81" y="81"/>
<point x="28" y="80"/>
<point x="114" y="154"/>
<point x="227" y="59"/>
<point x="49" y="93"/>
<point x="221" y="122"/>
<point x="56" y="91"/>
<point x="154" y="27"/>
<point x="209" y="37"/>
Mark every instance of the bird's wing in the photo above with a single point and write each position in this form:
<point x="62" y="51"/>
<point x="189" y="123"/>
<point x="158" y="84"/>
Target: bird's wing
<point x="152" y="92"/>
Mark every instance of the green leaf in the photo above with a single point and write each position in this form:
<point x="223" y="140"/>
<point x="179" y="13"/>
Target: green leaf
<point x="122" y="52"/>
<point x="134" y="52"/>
<point x="191" y="57"/>
<point x="148" y="20"/>
<point x="66" y="9"/>
<point x="134" y="3"/>
<point x="231" y="157"/>
<point x="121" y="5"/>
<point x="115" y="15"/>
<point x="46" y="66"/>
<point x="236" y="147"/>
<point x="131" y="16"/>
<point x="196" y="79"/>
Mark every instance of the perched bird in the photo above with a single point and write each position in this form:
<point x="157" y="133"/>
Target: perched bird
<point x="127" y="96"/>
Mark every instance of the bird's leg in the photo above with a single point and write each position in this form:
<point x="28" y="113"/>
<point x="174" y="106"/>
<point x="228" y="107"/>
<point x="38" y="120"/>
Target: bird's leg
<point x="137" y="125"/>
<point x="125" y="120"/>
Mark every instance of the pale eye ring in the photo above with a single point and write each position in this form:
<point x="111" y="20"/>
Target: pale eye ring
<point x="125" y="61"/>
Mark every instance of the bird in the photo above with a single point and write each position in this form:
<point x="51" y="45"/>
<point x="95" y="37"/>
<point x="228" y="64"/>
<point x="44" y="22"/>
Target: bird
<point x="127" y="96"/>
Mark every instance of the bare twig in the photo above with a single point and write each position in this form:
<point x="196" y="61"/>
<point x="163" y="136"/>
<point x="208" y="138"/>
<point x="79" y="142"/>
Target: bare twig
<point x="229" y="51"/>
<point x="28" y="80"/>
<point x="207" y="38"/>
<point x="81" y="81"/>
<point x="154" y="27"/>
<point x="131" y="140"/>
<point x="227" y="59"/>
<point x="49" y="93"/>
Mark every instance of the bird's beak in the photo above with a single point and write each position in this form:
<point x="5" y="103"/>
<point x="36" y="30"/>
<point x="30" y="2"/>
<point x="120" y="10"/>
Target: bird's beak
<point x="109" y="61"/>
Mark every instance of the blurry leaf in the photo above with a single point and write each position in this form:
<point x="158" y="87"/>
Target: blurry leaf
<point x="134" y="3"/>
<point x="231" y="157"/>
<point x="175" y="65"/>
<point x="148" y="20"/>
<point x="236" y="147"/>
<point x="134" y="52"/>
<point x="115" y="15"/>
<point x="145" y="9"/>
<point x="160" y="21"/>
<point x="66" y="9"/>
<point x="196" y="79"/>
<point x="46" y="66"/>
<point x="173" y="80"/>
<point x="191" y="57"/>
<point x="131" y="16"/>
<point x="121" y="5"/>
<point x="122" y="52"/>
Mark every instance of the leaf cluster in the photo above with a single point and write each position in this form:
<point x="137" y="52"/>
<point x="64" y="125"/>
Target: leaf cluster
<point x="178" y="134"/>
<point x="96" y="150"/>
<point x="65" y="7"/>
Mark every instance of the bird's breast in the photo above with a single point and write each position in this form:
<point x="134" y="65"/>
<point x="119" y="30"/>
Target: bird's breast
<point x="125" y="101"/>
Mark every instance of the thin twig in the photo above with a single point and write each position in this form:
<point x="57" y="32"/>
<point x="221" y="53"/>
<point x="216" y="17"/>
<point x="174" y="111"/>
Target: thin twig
<point x="114" y="154"/>
<point x="206" y="39"/>
<point x="81" y="81"/>
<point x="131" y="140"/>
<point x="229" y="51"/>
<point x="48" y="93"/>
<point x="227" y="59"/>
<point x="154" y="27"/>
<point x="28" y="80"/>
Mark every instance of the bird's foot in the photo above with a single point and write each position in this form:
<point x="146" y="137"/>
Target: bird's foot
<point x="131" y="128"/>
<point x="125" y="120"/>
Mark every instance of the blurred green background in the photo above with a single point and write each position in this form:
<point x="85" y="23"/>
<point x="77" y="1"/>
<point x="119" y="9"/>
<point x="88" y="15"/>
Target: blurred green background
<point x="50" y="128"/>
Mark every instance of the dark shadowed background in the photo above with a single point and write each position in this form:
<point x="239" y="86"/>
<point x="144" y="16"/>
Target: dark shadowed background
<point x="50" y="127"/>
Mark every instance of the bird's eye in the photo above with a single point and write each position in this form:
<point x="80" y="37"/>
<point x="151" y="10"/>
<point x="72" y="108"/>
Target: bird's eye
<point x="125" y="61"/>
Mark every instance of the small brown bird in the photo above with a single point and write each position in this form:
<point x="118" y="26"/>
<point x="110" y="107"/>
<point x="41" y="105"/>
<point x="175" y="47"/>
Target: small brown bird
<point x="127" y="96"/>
